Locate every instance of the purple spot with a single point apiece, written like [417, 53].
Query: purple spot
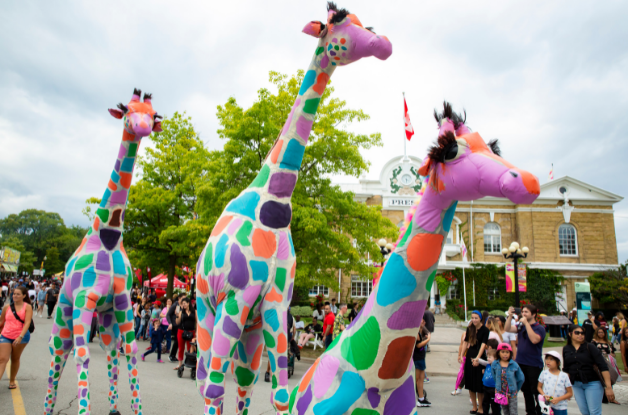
[355, 320]
[408, 316]
[304, 126]
[231, 328]
[282, 184]
[117, 166]
[67, 344]
[57, 367]
[290, 293]
[107, 319]
[240, 405]
[286, 126]
[344, 54]
[84, 392]
[122, 301]
[102, 262]
[373, 396]
[80, 341]
[118, 198]
[123, 212]
[335, 40]
[324, 63]
[239, 274]
[214, 391]
[332, 53]
[49, 381]
[134, 360]
[109, 238]
[282, 362]
[201, 373]
[275, 215]
[67, 311]
[304, 401]
[76, 281]
[401, 401]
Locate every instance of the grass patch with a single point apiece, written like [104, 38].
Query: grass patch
[548, 343]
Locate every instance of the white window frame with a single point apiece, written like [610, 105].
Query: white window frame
[361, 287]
[575, 239]
[492, 236]
[493, 294]
[452, 291]
[319, 290]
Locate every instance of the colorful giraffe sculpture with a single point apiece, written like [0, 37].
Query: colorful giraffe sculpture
[367, 370]
[99, 277]
[246, 270]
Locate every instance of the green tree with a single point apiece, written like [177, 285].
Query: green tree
[325, 220]
[160, 230]
[611, 286]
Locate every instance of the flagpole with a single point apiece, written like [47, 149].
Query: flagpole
[405, 144]
[464, 287]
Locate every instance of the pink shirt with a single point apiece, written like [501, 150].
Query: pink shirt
[12, 327]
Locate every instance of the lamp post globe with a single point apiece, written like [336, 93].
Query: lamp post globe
[515, 253]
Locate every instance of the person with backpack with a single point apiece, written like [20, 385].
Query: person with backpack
[15, 323]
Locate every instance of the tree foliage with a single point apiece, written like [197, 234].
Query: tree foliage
[325, 219]
[611, 287]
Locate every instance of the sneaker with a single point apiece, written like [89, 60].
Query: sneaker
[456, 392]
[423, 402]
[267, 377]
[143, 358]
[426, 380]
[159, 361]
[172, 359]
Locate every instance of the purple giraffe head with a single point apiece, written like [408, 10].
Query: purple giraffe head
[140, 119]
[345, 40]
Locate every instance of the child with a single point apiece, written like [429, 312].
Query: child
[156, 338]
[489, 384]
[508, 379]
[145, 320]
[554, 385]
[418, 356]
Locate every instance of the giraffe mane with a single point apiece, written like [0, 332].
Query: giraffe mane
[448, 112]
[137, 92]
[340, 14]
[494, 146]
[147, 95]
[439, 149]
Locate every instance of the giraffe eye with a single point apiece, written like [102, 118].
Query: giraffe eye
[451, 152]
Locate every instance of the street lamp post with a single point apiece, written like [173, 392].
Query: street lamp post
[385, 248]
[515, 253]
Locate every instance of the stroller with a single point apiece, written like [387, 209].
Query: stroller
[189, 362]
[293, 351]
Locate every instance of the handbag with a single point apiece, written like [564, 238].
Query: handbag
[187, 335]
[611, 370]
[501, 398]
[31, 328]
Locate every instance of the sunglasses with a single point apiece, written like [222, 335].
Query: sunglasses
[578, 333]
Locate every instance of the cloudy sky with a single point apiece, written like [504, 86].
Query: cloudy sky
[550, 79]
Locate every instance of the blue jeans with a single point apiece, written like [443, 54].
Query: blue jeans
[138, 321]
[559, 411]
[563, 332]
[589, 397]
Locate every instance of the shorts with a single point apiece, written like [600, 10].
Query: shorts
[419, 364]
[25, 339]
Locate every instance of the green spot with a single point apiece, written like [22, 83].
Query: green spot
[207, 260]
[120, 316]
[243, 233]
[246, 412]
[89, 231]
[57, 359]
[269, 339]
[232, 305]
[311, 105]
[130, 336]
[103, 214]
[406, 235]
[274, 382]
[362, 411]
[129, 280]
[101, 329]
[83, 376]
[59, 318]
[360, 350]
[293, 397]
[336, 340]
[262, 177]
[114, 353]
[79, 301]
[280, 278]
[101, 301]
[233, 349]
[57, 342]
[245, 376]
[319, 50]
[84, 262]
[252, 310]
[336, 47]
[132, 150]
[216, 377]
[57, 374]
[430, 280]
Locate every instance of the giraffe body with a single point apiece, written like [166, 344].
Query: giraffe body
[246, 271]
[99, 278]
[368, 369]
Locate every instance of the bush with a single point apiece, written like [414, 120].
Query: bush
[496, 313]
[304, 311]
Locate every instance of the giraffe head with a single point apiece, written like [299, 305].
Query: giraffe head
[344, 40]
[463, 167]
[140, 119]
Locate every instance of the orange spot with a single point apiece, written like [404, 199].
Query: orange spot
[208, 401]
[215, 363]
[96, 223]
[281, 407]
[82, 383]
[59, 352]
[78, 329]
[264, 243]
[126, 327]
[135, 393]
[122, 249]
[337, 58]
[81, 351]
[354, 19]
[202, 285]
[529, 181]
[276, 150]
[134, 372]
[343, 40]
[221, 297]
[127, 349]
[111, 185]
[244, 315]
[64, 333]
[126, 136]
[118, 285]
[321, 83]
[308, 376]
[83, 242]
[255, 326]
[222, 224]
[241, 392]
[257, 357]
[281, 343]
[204, 339]
[273, 296]
[93, 296]
[293, 270]
[423, 250]
[126, 179]
[106, 339]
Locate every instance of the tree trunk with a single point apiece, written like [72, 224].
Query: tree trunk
[171, 268]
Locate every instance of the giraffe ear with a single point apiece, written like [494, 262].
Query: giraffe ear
[157, 127]
[424, 170]
[315, 28]
[116, 113]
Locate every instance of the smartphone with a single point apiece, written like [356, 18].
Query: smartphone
[178, 309]
[517, 310]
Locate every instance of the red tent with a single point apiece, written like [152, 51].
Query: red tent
[161, 281]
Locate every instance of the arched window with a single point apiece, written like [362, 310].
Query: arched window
[492, 238]
[567, 241]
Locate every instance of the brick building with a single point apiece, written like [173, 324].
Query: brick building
[570, 228]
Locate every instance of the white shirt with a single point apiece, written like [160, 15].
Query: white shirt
[509, 337]
[334, 309]
[552, 389]
[318, 316]
[299, 324]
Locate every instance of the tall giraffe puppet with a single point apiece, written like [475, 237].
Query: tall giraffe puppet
[99, 277]
[368, 370]
[245, 273]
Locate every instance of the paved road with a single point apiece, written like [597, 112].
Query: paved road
[163, 392]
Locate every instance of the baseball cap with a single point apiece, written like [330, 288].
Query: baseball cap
[554, 354]
[504, 346]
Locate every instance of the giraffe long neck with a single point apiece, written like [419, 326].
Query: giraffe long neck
[284, 162]
[110, 213]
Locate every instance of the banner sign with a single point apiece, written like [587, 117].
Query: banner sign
[9, 256]
[522, 274]
[583, 300]
[510, 278]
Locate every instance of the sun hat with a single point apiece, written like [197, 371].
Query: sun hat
[554, 354]
[504, 346]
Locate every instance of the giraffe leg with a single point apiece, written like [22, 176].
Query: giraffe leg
[248, 356]
[109, 333]
[84, 306]
[274, 318]
[124, 319]
[205, 317]
[60, 346]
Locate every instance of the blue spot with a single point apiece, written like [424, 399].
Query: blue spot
[201, 309]
[105, 198]
[270, 317]
[63, 299]
[245, 204]
[116, 331]
[395, 283]
[291, 244]
[241, 352]
[218, 313]
[449, 216]
[127, 164]
[118, 263]
[109, 299]
[70, 266]
[221, 250]
[76, 313]
[308, 80]
[350, 389]
[212, 411]
[260, 270]
[83, 402]
[329, 47]
[115, 177]
[271, 359]
[281, 395]
[129, 314]
[225, 367]
[293, 156]
[89, 277]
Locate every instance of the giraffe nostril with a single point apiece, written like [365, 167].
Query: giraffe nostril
[513, 174]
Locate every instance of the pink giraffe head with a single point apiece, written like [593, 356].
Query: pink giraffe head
[140, 119]
[345, 40]
[462, 166]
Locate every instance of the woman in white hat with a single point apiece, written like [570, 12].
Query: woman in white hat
[555, 385]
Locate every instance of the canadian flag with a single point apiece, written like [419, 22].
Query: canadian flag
[406, 120]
